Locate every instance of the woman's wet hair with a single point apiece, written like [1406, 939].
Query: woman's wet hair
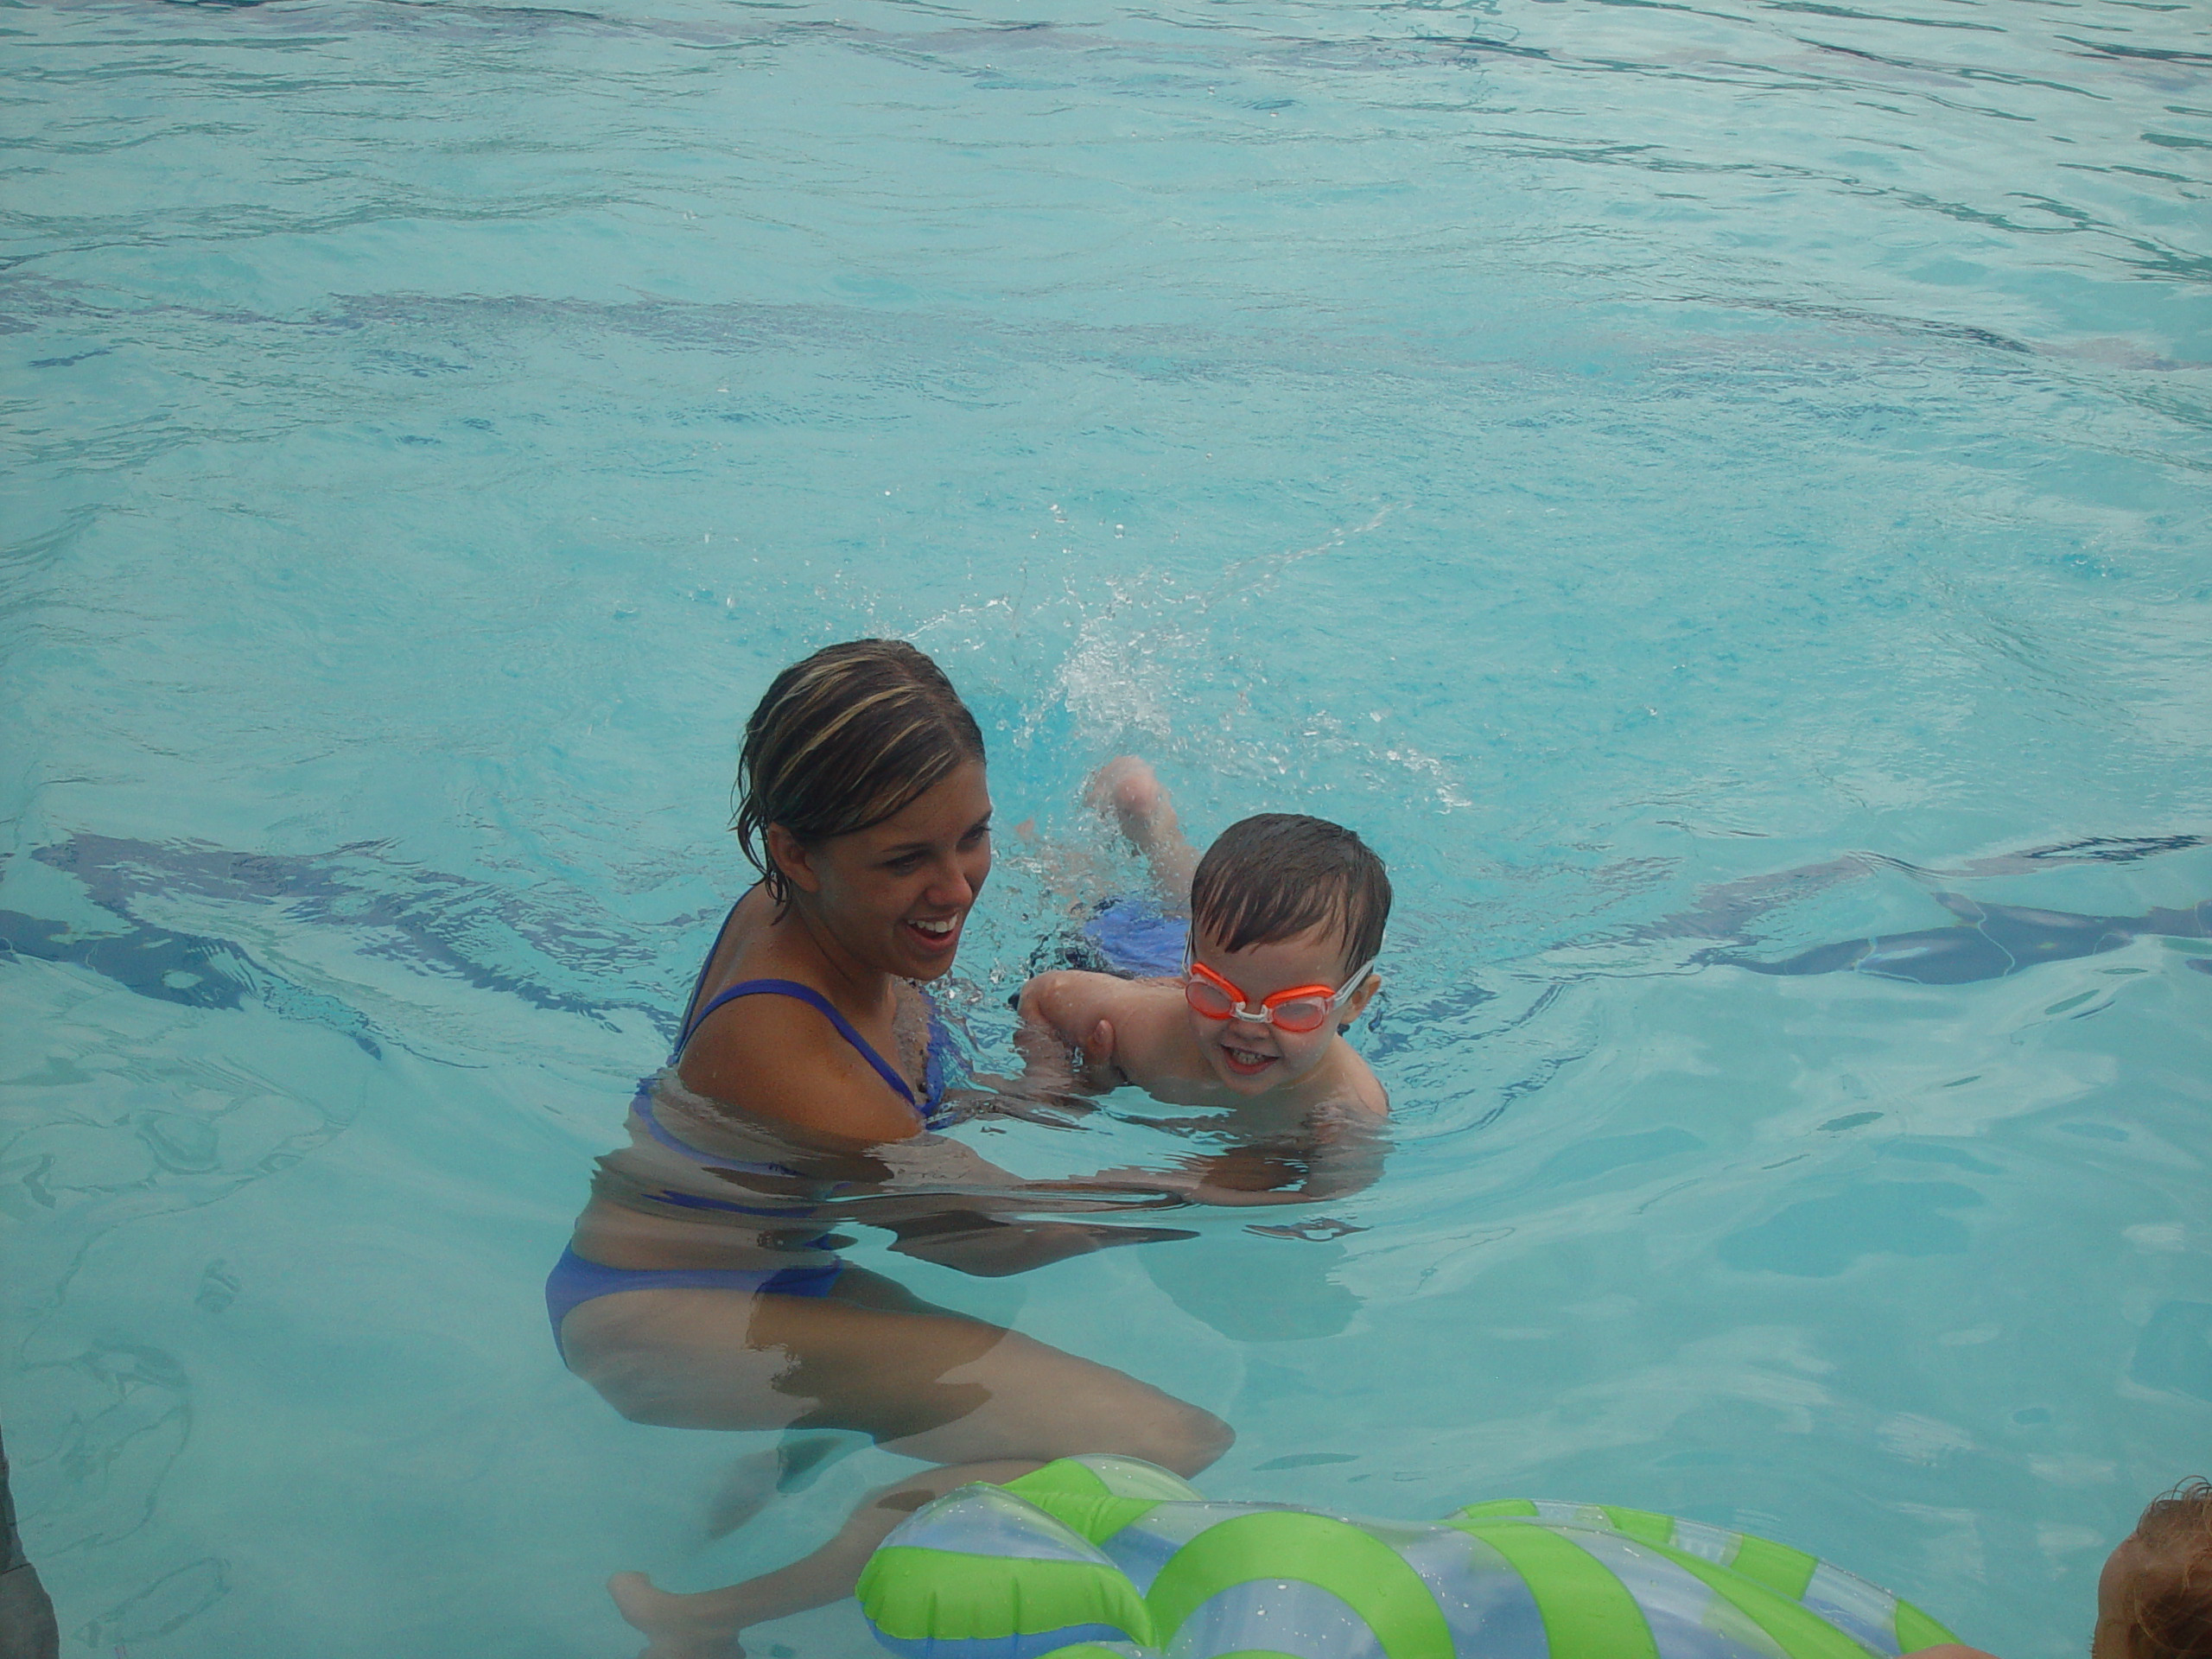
[841, 741]
[1275, 876]
[2165, 1606]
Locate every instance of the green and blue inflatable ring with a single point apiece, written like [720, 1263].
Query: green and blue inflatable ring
[1111, 1558]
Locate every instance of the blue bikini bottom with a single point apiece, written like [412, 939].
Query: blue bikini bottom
[575, 1281]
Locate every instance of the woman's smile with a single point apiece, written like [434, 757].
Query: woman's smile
[935, 935]
[916, 875]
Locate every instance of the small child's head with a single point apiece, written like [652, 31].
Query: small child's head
[2154, 1600]
[1282, 902]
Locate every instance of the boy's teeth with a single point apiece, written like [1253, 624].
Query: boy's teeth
[938, 928]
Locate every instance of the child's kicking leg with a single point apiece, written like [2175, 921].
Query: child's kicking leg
[1127, 787]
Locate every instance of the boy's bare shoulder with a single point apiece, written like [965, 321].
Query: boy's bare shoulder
[1355, 1088]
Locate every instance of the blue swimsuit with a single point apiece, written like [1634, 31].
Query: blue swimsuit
[1137, 939]
[575, 1280]
[1128, 935]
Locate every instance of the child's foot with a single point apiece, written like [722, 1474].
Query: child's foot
[1129, 789]
[681, 1627]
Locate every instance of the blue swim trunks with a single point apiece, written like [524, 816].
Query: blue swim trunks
[1133, 938]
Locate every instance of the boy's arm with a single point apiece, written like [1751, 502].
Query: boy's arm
[1335, 1167]
[1348, 1145]
[1064, 1014]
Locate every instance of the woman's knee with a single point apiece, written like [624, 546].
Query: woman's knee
[1186, 1438]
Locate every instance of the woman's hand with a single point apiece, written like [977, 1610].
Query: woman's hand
[1232, 1180]
[1099, 1070]
[984, 1246]
[1066, 1038]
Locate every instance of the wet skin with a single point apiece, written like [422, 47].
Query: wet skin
[869, 914]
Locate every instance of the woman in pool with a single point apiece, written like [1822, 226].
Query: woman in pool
[700, 1290]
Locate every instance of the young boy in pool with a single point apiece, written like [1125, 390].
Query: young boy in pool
[1285, 917]
[2154, 1598]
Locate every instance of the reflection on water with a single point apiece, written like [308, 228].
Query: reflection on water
[937, 1198]
[558, 955]
[699, 1185]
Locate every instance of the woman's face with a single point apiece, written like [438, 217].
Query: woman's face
[896, 894]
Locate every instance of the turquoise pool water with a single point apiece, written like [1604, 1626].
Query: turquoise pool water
[1616, 455]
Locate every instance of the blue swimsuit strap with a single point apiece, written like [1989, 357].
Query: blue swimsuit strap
[814, 999]
[700, 983]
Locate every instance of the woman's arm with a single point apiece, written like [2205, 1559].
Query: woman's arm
[960, 1210]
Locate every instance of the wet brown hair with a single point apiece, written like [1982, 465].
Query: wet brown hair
[1274, 876]
[841, 741]
[2165, 1605]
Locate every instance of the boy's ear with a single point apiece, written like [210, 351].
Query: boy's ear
[1355, 1004]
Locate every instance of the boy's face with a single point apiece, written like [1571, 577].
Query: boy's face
[1251, 1057]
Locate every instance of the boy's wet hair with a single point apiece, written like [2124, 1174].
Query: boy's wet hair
[841, 741]
[1274, 876]
[2165, 1606]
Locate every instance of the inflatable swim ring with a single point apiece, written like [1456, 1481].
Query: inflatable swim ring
[1110, 1558]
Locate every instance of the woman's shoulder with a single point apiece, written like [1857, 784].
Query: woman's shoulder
[760, 1023]
[772, 1053]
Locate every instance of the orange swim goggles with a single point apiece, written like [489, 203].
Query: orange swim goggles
[1300, 1008]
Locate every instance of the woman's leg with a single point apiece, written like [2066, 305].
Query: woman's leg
[985, 1403]
[705, 1626]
